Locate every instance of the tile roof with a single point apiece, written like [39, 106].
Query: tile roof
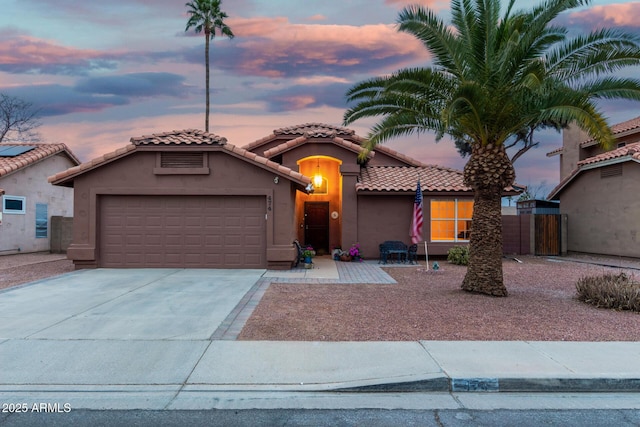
[314, 130]
[292, 143]
[625, 153]
[620, 128]
[180, 137]
[40, 152]
[405, 178]
[183, 138]
[631, 150]
[337, 133]
[556, 151]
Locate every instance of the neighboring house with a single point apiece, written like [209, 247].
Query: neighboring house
[598, 191]
[29, 201]
[190, 199]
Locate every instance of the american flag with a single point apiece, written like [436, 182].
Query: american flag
[417, 219]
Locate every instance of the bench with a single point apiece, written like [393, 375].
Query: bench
[392, 248]
[402, 252]
[300, 256]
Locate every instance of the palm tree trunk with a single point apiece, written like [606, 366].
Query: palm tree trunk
[487, 172]
[206, 61]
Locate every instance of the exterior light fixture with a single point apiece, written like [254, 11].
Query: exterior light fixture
[275, 180]
[317, 179]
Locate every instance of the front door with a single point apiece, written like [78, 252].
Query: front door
[316, 226]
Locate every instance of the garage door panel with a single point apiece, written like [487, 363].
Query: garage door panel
[182, 231]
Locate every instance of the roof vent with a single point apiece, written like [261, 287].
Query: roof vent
[182, 160]
[611, 170]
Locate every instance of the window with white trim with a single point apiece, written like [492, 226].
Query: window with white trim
[451, 220]
[14, 205]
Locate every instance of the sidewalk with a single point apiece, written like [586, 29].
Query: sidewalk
[142, 344]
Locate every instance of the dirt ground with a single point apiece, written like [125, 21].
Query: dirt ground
[429, 305]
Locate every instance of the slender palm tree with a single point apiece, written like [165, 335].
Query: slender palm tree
[495, 78]
[206, 16]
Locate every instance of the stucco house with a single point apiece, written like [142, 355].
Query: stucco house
[598, 191]
[29, 201]
[191, 199]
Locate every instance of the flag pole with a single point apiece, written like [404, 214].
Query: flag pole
[426, 255]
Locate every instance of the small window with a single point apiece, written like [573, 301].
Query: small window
[14, 205]
[42, 221]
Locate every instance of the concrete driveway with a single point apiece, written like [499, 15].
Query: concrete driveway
[104, 304]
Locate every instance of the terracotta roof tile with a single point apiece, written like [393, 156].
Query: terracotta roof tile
[314, 130]
[625, 126]
[628, 152]
[629, 125]
[405, 178]
[40, 152]
[259, 142]
[180, 137]
[285, 146]
[555, 152]
[632, 150]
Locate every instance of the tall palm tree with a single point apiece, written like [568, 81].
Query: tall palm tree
[494, 79]
[206, 16]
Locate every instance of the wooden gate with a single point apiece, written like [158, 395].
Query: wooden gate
[547, 234]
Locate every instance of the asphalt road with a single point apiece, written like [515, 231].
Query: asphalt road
[333, 418]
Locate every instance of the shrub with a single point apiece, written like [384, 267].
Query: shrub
[615, 291]
[458, 255]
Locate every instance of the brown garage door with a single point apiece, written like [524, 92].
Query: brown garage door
[182, 231]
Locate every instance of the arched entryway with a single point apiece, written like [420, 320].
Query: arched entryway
[319, 214]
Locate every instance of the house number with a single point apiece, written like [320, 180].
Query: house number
[269, 203]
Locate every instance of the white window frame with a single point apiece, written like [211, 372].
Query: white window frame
[22, 199]
[455, 220]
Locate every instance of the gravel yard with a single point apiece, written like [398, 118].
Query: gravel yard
[430, 306]
[24, 268]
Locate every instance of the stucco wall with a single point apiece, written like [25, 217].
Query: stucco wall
[388, 217]
[17, 231]
[134, 174]
[604, 213]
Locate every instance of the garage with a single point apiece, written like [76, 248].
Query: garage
[182, 231]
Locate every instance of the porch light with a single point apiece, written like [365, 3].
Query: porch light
[317, 179]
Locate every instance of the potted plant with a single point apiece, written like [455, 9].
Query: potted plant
[308, 253]
[354, 252]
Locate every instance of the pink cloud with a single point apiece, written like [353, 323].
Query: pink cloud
[317, 18]
[274, 47]
[621, 14]
[22, 53]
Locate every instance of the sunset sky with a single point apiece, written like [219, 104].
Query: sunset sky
[103, 72]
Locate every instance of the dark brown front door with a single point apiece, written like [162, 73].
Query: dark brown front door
[316, 225]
